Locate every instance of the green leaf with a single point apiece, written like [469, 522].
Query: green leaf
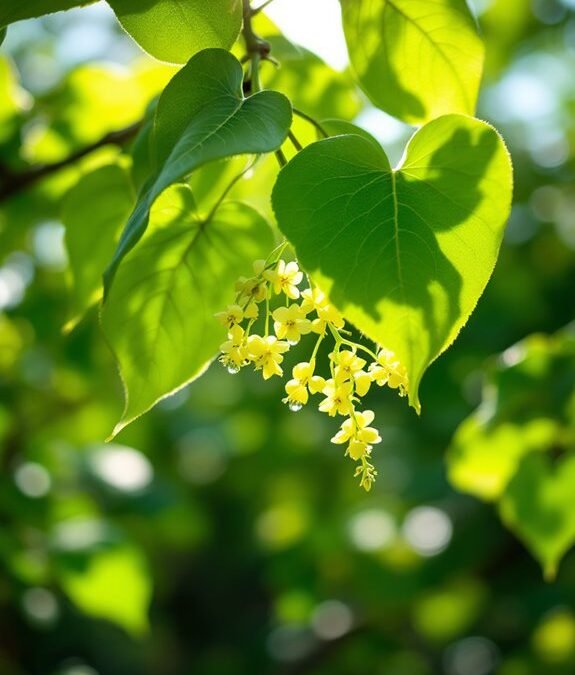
[175, 30]
[526, 407]
[92, 233]
[415, 59]
[114, 585]
[16, 10]
[405, 254]
[538, 507]
[483, 458]
[159, 315]
[202, 116]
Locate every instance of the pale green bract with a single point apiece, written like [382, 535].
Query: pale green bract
[202, 116]
[175, 30]
[159, 315]
[415, 59]
[404, 254]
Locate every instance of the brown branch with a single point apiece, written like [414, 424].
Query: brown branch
[13, 183]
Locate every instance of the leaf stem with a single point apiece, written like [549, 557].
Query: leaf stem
[293, 138]
[312, 121]
[257, 10]
[256, 47]
[281, 158]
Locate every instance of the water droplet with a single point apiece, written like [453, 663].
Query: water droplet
[294, 406]
[233, 369]
[292, 343]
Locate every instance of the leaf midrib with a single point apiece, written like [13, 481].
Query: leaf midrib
[411, 20]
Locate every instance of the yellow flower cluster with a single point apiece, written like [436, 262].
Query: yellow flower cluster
[309, 311]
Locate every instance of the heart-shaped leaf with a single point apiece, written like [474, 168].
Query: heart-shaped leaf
[92, 234]
[405, 254]
[539, 507]
[174, 30]
[415, 59]
[202, 116]
[159, 315]
[527, 406]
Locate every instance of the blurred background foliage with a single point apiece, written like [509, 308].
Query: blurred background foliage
[222, 534]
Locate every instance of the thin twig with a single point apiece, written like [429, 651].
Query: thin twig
[257, 10]
[14, 183]
[257, 49]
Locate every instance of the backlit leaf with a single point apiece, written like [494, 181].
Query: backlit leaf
[92, 233]
[159, 315]
[405, 254]
[174, 30]
[415, 59]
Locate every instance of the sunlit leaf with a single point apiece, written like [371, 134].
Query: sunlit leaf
[405, 254]
[92, 233]
[526, 407]
[114, 585]
[172, 30]
[202, 116]
[415, 59]
[159, 315]
[538, 507]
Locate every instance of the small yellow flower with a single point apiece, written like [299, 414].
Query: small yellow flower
[266, 354]
[297, 394]
[337, 398]
[232, 315]
[329, 313]
[314, 300]
[357, 428]
[304, 373]
[357, 449]
[347, 364]
[318, 326]
[234, 354]
[285, 278]
[303, 379]
[362, 381]
[290, 323]
[251, 311]
[388, 370]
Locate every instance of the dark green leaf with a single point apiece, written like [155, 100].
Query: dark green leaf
[202, 116]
